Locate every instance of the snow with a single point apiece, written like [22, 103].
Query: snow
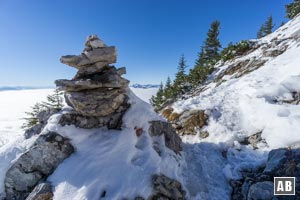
[145, 94]
[244, 106]
[117, 162]
[120, 153]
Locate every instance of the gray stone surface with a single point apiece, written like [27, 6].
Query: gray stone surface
[113, 121]
[97, 102]
[104, 55]
[36, 164]
[109, 79]
[261, 190]
[258, 183]
[172, 140]
[255, 140]
[43, 191]
[166, 188]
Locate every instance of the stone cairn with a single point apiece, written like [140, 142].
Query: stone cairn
[97, 93]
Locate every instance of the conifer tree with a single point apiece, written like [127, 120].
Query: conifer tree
[198, 74]
[157, 100]
[54, 100]
[32, 118]
[266, 28]
[212, 44]
[168, 91]
[269, 25]
[292, 9]
[180, 77]
[207, 57]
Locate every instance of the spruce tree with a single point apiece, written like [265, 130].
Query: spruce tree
[292, 9]
[269, 25]
[32, 116]
[157, 100]
[198, 74]
[168, 91]
[180, 77]
[207, 57]
[212, 44]
[260, 33]
[266, 28]
[54, 100]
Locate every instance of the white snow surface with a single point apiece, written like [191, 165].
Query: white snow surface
[241, 107]
[117, 162]
[244, 106]
[144, 94]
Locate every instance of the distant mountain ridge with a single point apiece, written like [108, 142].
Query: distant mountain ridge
[6, 88]
[144, 86]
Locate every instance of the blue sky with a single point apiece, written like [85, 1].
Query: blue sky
[150, 35]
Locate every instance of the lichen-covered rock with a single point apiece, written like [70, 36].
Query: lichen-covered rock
[36, 164]
[166, 188]
[43, 191]
[172, 140]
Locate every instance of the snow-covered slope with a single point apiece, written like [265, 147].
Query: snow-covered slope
[248, 99]
[246, 105]
[121, 154]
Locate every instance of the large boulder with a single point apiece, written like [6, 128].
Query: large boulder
[36, 164]
[165, 129]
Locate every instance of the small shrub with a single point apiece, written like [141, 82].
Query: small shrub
[233, 50]
[54, 100]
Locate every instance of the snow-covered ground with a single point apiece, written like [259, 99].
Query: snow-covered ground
[241, 107]
[118, 157]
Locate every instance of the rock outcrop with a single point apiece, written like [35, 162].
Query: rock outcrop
[97, 93]
[42, 191]
[36, 164]
[165, 129]
[258, 184]
[188, 122]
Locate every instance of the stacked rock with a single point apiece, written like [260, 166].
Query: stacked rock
[97, 93]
